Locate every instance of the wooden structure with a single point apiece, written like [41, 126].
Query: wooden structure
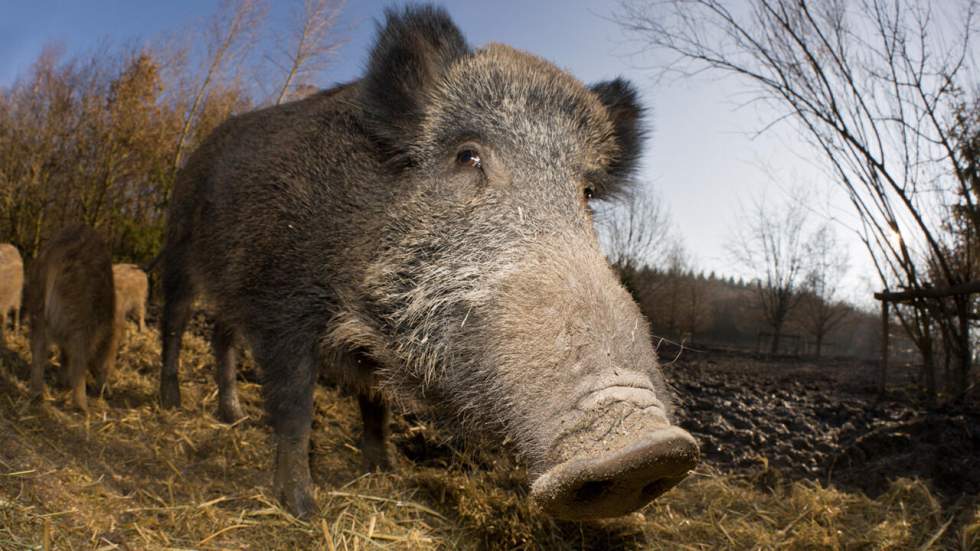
[887, 297]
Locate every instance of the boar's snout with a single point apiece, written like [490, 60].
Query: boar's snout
[579, 372]
[617, 483]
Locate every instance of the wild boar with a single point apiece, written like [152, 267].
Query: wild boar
[426, 232]
[71, 303]
[131, 291]
[11, 286]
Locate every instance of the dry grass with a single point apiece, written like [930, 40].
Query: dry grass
[130, 476]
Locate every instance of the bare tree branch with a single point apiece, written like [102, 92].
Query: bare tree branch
[821, 309]
[635, 230]
[771, 247]
[873, 86]
[309, 46]
[229, 34]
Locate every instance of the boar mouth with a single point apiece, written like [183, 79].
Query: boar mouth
[620, 482]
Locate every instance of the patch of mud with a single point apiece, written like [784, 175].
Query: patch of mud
[822, 422]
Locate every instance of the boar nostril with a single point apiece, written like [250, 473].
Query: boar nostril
[613, 483]
[592, 490]
[655, 488]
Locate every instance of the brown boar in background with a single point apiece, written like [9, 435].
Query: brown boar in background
[71, 303]
[131, 292]
[11, 284]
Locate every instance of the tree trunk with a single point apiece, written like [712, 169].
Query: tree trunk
[819, 344]
[776, 334]
[928, 367]
[948, 372]
[965, 353]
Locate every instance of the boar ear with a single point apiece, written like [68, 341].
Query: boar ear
[414, 48]
[623, 106]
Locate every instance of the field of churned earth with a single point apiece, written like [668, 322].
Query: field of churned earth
[797, 456]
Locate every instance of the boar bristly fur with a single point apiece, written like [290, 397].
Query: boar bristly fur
[422, 233]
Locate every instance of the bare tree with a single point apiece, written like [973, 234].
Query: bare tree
[307, 47]
[871, 86]
[635, 231]
[662, 295]
[821, 310]
[770, 246]
[229, 35]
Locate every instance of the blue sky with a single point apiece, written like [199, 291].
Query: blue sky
[700, 157]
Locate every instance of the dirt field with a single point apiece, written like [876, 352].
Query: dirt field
[824, 421]
[130, 476]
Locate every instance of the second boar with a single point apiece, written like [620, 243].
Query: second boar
[72, 304]
[131, 291]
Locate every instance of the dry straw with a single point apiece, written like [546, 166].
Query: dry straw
[130, 476]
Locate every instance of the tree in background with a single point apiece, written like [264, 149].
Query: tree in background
[821, 310]
[771, 247]
[635, 232]
[662, 292]
[695, 312]
[964, 227]
[873, 88]
[229, 35]
[308, 47]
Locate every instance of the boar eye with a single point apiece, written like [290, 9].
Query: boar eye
[469, 157]
[589, 193]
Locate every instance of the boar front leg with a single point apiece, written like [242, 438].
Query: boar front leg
[288, 392]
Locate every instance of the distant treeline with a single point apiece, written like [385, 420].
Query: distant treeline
[695, 308]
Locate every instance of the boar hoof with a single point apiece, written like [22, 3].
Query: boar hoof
[292, 482]
[169, 394]
[80, 405]
[230, 411]
[297, 499]
[375, 457]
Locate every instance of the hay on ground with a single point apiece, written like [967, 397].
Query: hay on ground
[133, 476]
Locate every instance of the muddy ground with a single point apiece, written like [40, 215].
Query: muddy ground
[824, 421]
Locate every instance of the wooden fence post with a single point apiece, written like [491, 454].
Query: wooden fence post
[883, 368]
